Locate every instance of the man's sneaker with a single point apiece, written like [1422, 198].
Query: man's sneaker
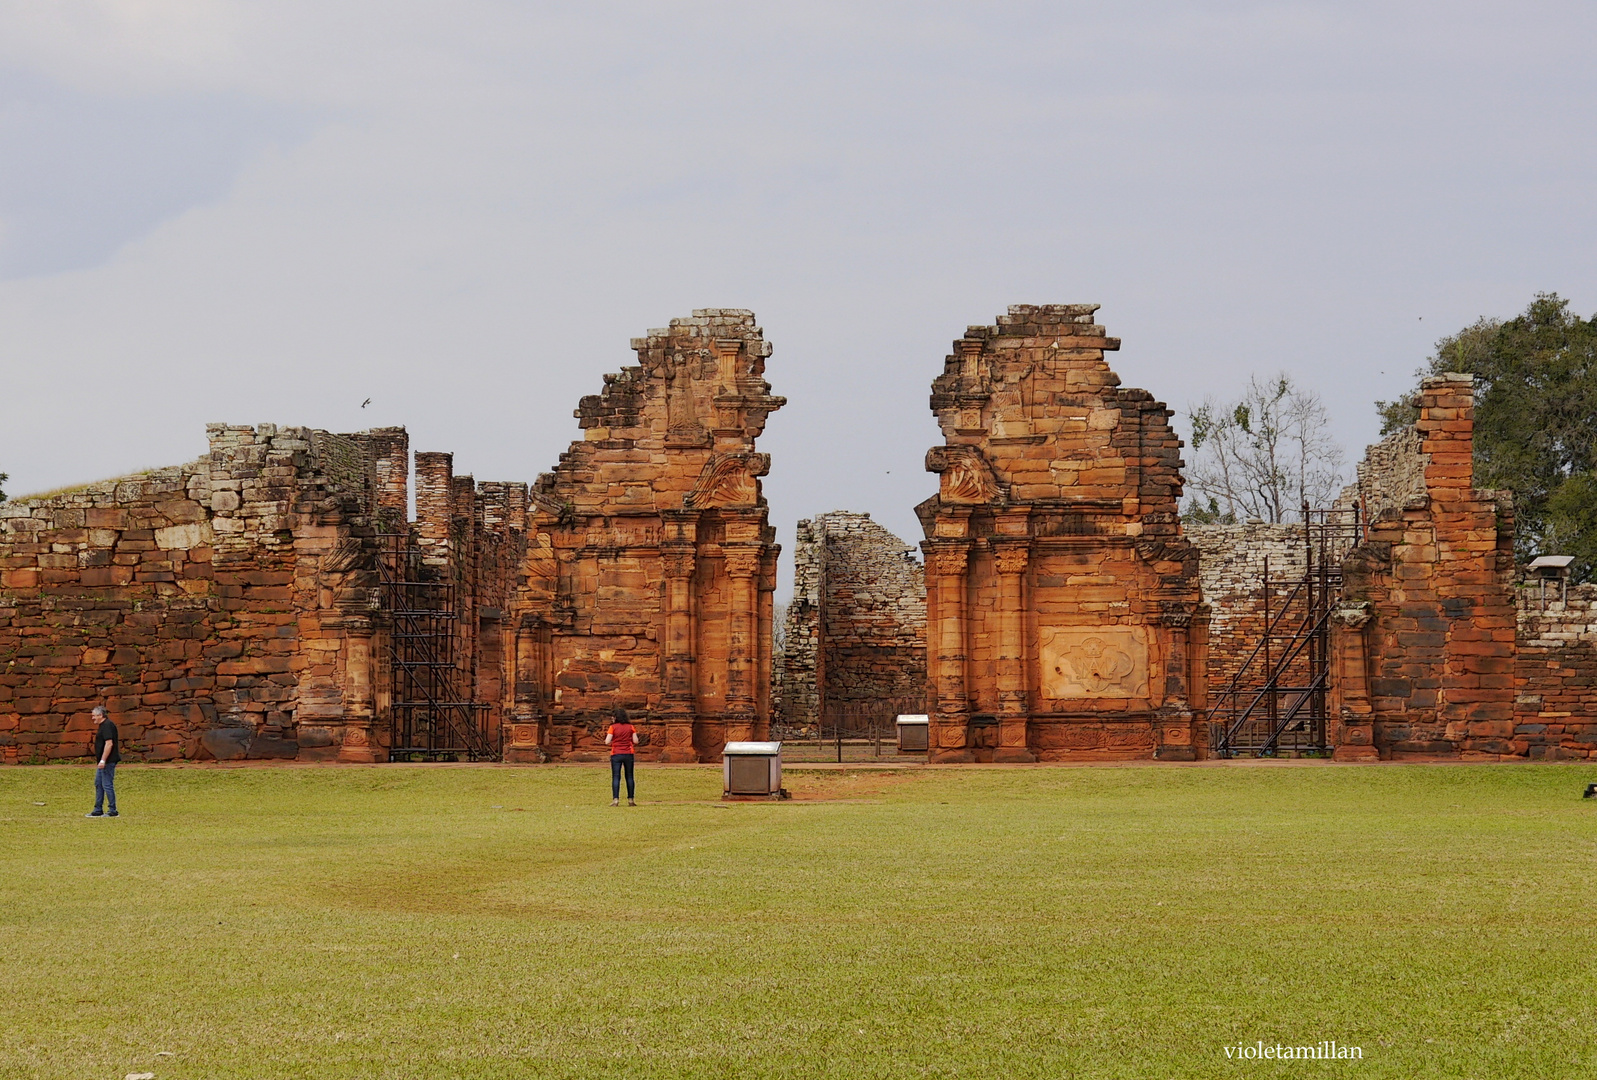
[615, 802]
[94, 813]
[112, 813]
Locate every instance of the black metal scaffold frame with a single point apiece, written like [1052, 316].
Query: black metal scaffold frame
[1277, 701]
[431, 714]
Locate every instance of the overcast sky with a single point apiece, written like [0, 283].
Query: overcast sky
[244, 212]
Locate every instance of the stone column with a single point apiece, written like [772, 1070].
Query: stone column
[435, 499]
[360, 741]
[1173, 727]
[947, 565]
[679, 705]
[391, 466]
[742, 645]
[1354, 735]
[1014, 702]
[526, 715]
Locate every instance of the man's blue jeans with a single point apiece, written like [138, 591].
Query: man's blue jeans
[104, 787]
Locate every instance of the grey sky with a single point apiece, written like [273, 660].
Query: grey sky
[248, 212]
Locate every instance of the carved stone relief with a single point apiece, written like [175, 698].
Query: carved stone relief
[1094, 662]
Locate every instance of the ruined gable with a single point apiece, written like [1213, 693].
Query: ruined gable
[1062, 598]
[651, 564]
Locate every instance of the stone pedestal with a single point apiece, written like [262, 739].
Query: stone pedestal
[522, 747]
[358, 748]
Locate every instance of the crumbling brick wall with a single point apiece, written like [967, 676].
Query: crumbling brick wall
[213, 607]
[856, 629]
[1435, 577]
[799, 665]
[1390, 476]
[1555, 676]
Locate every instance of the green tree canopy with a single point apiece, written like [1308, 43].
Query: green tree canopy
[1535, 421]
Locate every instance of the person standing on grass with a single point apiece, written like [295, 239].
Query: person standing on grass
[107, 752]
[621, 739]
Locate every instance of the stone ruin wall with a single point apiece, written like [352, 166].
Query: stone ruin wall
[799, 704]
[1426, 639]
[232, 607]
[1063, 602]
[1555, 675]
[856, 629]
[1231, 566]
[216, 608]
[1390, 476]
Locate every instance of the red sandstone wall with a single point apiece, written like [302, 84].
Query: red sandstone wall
[209, 606]
[1437, 575]
[1555, 676]
[1062, 600]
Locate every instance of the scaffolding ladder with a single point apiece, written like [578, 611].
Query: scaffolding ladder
[432, 716]
[1277, 702]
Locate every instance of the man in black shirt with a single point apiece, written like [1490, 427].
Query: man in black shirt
[107, 751]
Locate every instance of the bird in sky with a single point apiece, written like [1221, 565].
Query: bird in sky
[365, 403]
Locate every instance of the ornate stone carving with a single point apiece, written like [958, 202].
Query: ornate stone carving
[1086, 662]
[947, 562]
[729, 480]
[742, 564]
[677, 563]
[1177, 613]
[1353, 614]
[1011, 558]
[967, 478]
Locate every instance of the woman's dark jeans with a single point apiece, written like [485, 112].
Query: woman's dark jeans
[619, 762]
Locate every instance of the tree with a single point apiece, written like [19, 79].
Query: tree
[3, 478]
[1535, 422]
[1262, 455]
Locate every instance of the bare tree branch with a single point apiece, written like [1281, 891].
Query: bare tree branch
[1262, 455]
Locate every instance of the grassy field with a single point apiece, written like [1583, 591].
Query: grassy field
[1067, 922]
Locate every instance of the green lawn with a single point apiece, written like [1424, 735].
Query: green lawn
[414, 921]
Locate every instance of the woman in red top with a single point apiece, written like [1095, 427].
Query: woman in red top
[620, 739]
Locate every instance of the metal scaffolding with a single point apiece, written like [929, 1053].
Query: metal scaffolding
[1277, 700]
[431, 714]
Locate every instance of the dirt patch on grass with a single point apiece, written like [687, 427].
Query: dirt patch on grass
[832, 786]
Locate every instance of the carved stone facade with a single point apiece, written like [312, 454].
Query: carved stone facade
[651, 566]
[1063, 606]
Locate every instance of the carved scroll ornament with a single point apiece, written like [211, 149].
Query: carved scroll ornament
[729, 480]
[966, 476]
